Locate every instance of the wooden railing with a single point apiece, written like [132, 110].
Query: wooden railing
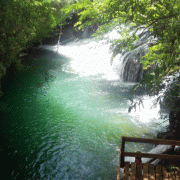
[173, 143]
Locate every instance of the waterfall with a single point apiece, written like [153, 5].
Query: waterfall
[130, 68]
[127, 65]
[93, 58]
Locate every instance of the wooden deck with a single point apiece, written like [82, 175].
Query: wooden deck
[146, 171]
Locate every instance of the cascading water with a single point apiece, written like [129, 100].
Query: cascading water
[64, 120]
[129, 62]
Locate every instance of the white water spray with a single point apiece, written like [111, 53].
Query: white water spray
[92, 58]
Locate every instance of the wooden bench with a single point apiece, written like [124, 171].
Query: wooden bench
[147, 171]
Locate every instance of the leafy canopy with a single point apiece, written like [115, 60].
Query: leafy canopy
[160, 17]
[24, 22]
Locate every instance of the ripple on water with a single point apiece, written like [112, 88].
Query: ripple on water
[70, 126]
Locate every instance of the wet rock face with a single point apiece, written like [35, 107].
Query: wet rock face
[174, 123]
[69, 33]
[173, 130]
[132, 69]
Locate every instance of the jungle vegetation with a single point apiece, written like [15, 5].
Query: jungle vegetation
[26, 21]
[160, 17]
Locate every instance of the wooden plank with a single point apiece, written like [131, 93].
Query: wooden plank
[151, 172]
[145, 171]
[133, 171]
[155, 156]
[165, 173]
[153, 141]
[126, 172]
[159, 175]
[139, 172]
[172, 175]
[177, 174]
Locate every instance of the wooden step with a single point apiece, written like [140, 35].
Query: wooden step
[146, 171]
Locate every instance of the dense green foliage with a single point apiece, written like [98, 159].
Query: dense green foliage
[161, 17]
[24, 22]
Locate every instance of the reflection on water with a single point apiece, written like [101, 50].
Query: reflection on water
[66, 116]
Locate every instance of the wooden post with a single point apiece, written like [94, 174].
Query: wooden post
[145, 171]
[126, 171]
[159, 175]
[151, 172]
[133, 171]
[121, 157]
[165, 173]
[122, 152]
[139, 172]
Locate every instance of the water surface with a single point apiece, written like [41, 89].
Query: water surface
[64, 119]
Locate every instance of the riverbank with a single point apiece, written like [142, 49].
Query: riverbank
[171, 133]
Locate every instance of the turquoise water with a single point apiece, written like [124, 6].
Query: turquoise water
[64, 119]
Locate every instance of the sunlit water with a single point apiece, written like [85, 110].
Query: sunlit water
[64, 120]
